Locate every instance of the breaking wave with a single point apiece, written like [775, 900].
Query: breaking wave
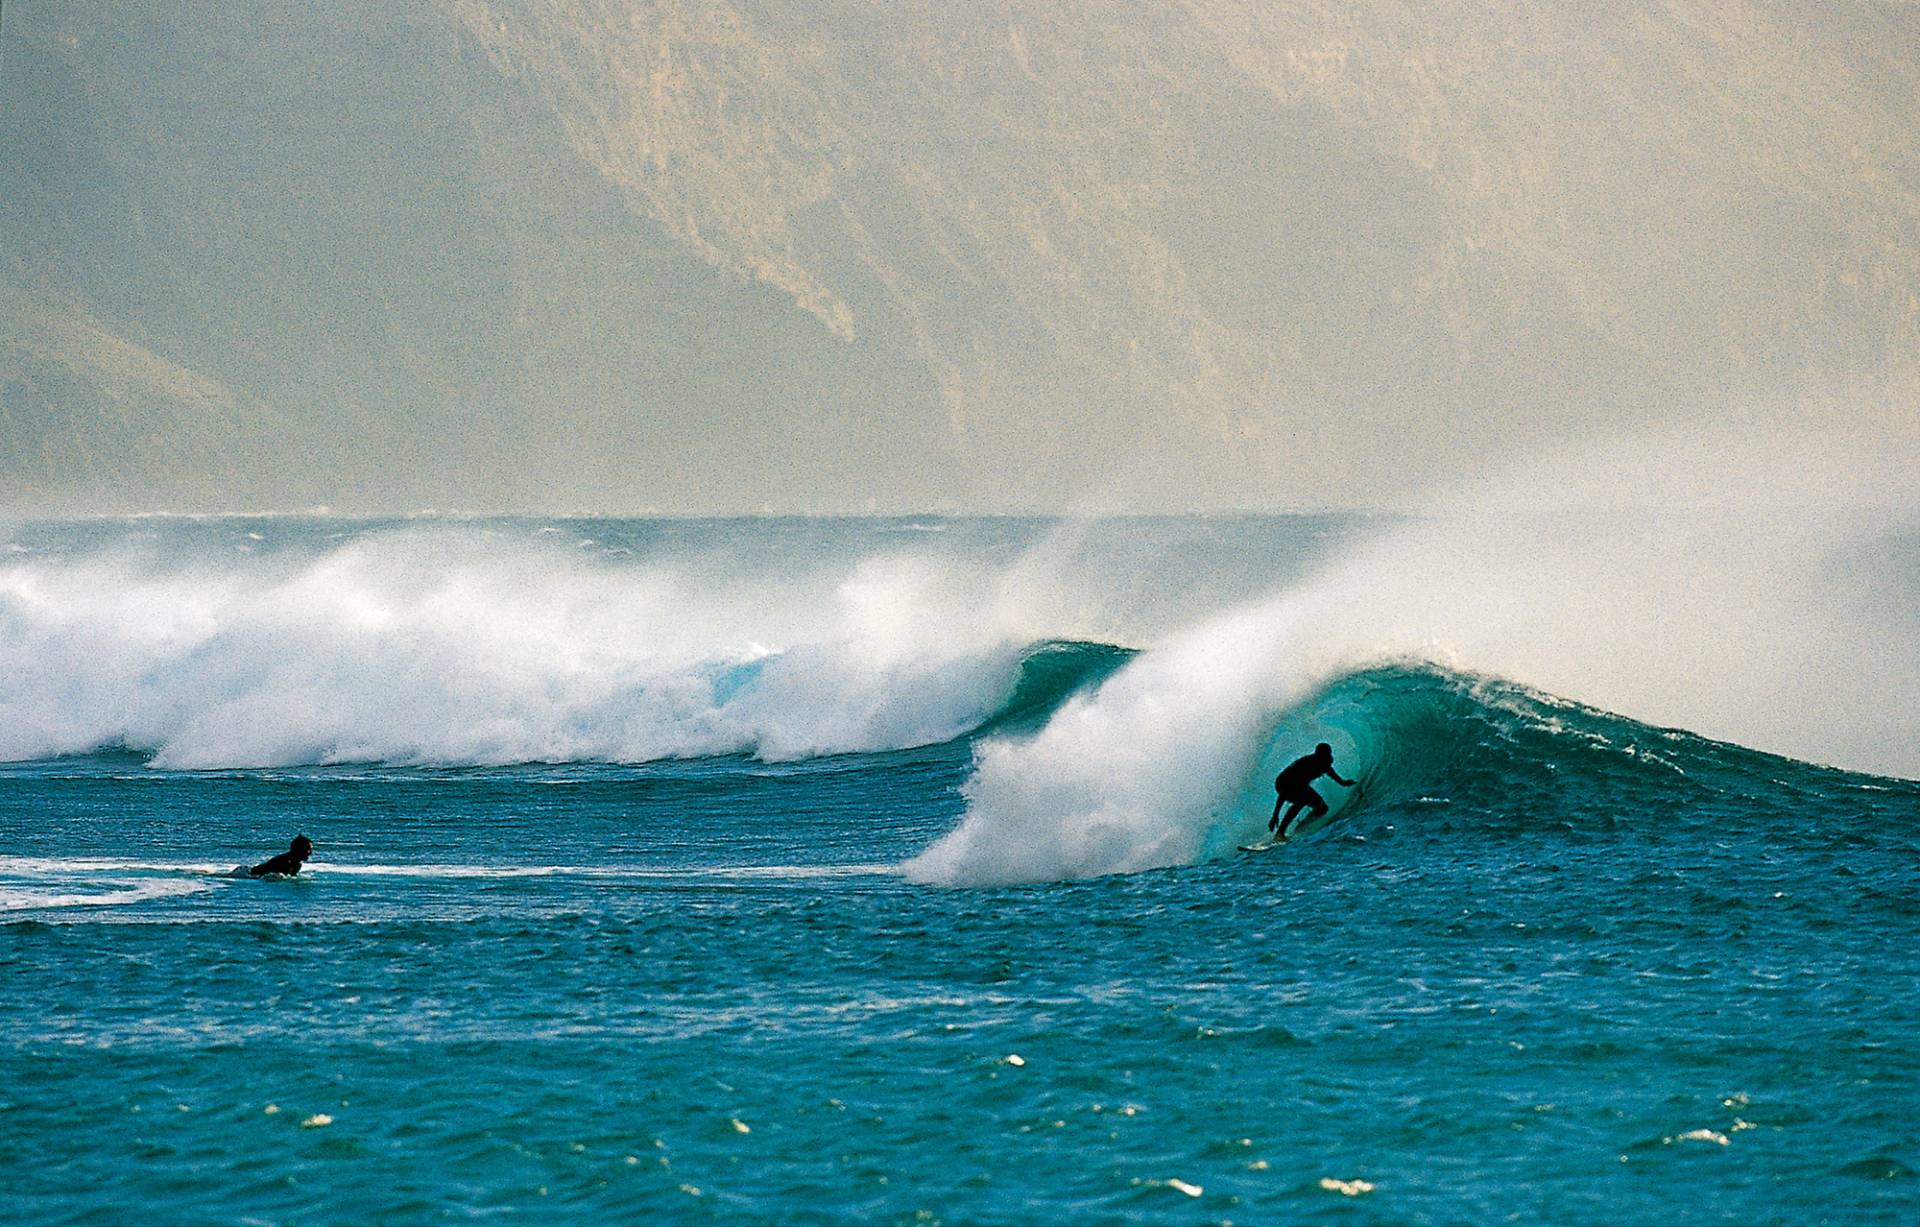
[1413, 735]
[1787, 629]
[446, 648]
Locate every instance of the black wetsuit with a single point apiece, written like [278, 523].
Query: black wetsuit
[286, 862]
[1295, 794]
[1292, 782]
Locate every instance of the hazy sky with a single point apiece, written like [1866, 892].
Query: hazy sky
[798, 255]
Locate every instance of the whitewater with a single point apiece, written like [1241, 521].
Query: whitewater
[804, 869]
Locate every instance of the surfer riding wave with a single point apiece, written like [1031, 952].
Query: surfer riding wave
[1293, 786]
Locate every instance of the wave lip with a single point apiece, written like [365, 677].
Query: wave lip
[1121, 777]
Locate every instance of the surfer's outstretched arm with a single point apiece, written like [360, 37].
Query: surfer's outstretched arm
[1335, 776]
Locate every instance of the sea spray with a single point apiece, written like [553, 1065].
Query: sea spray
[1761, 621]
[451, 645]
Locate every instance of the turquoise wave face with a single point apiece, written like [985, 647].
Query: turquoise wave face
[1418, 737]
[1051, 672]
[1415, 738]
[1033, 682]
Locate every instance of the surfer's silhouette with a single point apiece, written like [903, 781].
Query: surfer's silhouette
[287, 862]
[1292, 785]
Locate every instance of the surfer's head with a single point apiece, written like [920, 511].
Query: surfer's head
[302, 847]
[1323, 750]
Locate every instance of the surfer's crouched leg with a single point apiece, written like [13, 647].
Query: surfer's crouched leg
[1309, 801]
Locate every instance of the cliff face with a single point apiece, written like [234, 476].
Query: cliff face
[696, 255]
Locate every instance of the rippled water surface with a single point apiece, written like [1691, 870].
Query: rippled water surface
[1544, 965]
[701, 991]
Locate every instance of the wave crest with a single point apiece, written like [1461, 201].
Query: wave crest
[447, 648]
[1134, 778]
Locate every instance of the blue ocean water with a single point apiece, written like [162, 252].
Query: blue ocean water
[882, 870]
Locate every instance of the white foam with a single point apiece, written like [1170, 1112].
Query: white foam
[65, 867]
[1766, 624]
[62, 868]
[449, 644]
[36, 898]
[29, 866]
[612, 872]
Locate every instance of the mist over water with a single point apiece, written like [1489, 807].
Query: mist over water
[238, 643]
[708, 256]
[453, 644]
[1741, 589]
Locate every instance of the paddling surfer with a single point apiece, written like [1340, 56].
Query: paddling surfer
[287, 862]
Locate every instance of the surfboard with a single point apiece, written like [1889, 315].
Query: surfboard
[1265, 846]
